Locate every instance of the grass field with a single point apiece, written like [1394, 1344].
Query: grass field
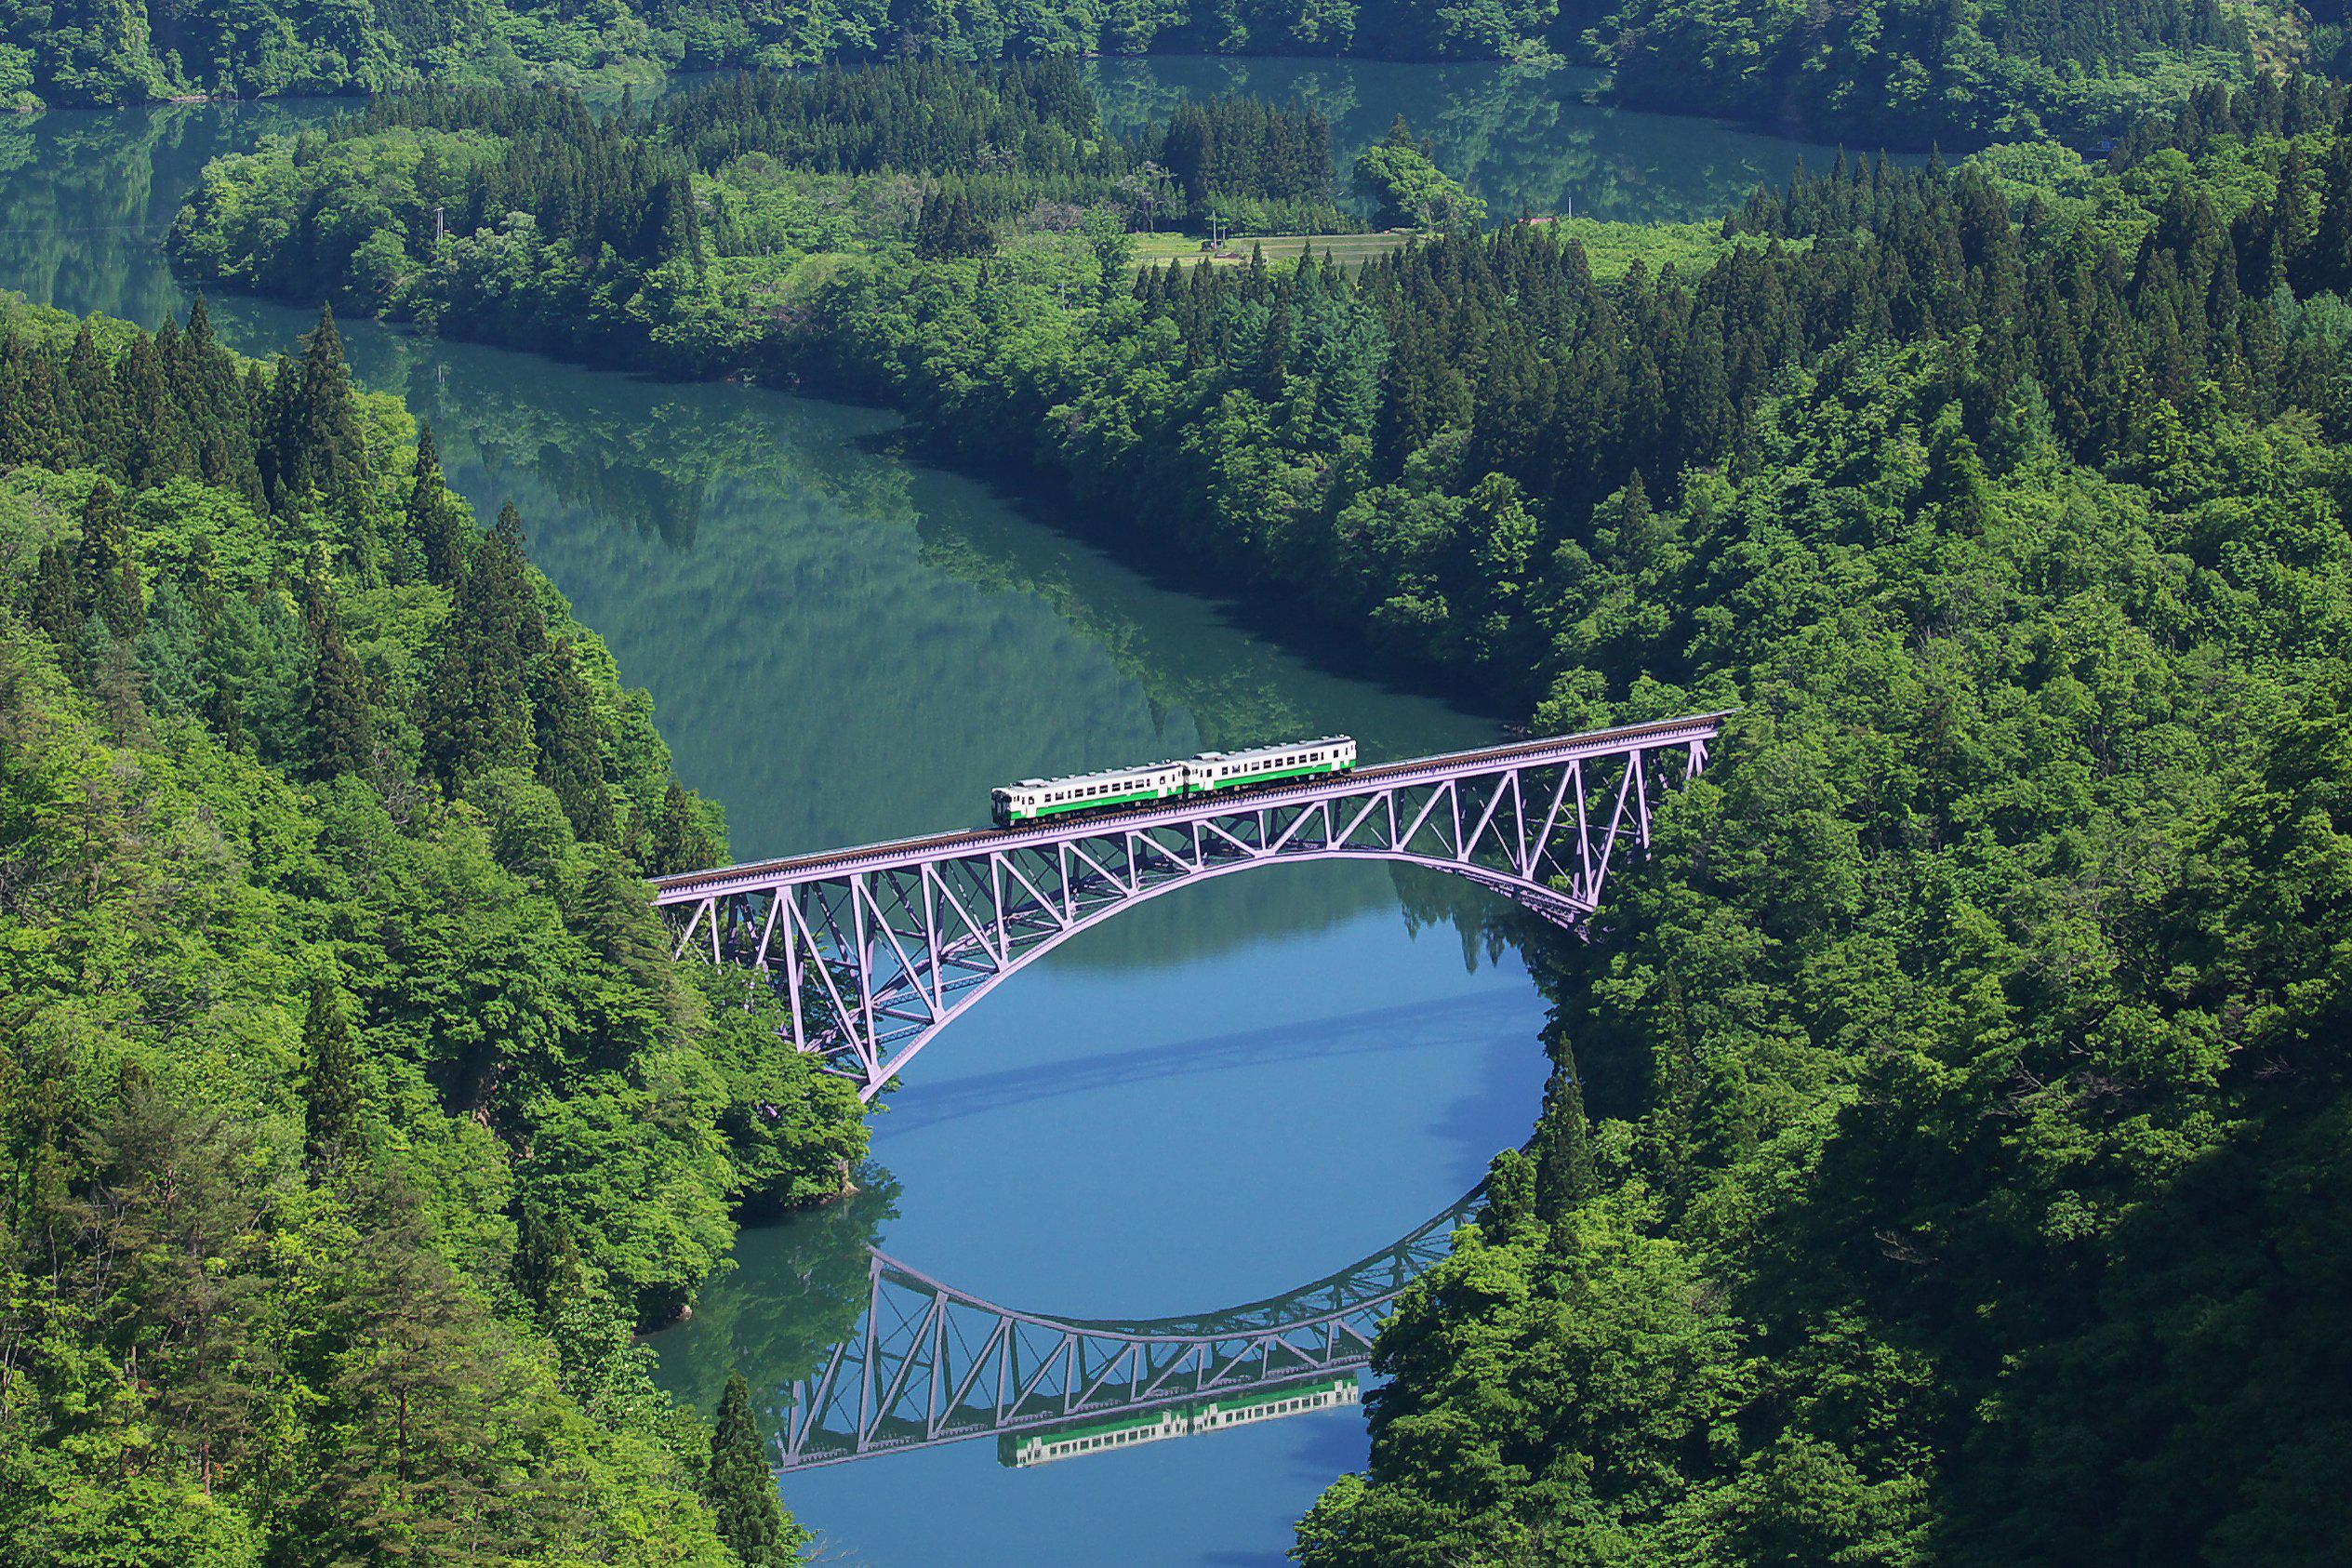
[1352, 251]
[1610, 249]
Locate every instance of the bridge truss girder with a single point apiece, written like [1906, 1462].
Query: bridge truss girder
[874, 952]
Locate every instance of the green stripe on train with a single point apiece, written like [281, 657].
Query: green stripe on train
[1262, 777]
[1062, 807]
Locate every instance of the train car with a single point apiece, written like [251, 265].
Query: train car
[1266, 764]
[1033, 800]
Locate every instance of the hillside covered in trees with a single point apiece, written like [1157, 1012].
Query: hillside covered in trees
[353, 1116]
[1894, 72]
[1891, 72]
[690, 236]
[139, 50]
[1946, 1158]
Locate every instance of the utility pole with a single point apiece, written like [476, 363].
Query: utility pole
[439, 228]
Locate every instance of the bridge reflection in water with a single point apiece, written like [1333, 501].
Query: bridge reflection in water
[929, 1364]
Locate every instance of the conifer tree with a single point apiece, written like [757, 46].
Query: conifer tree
[478, 709]
[1509, 1210]
[680, 844]
[330, 1085]
[338, 726]
[431, 545]
[54, 609]
[316, 447]
[1561, 1148]
[570, 744]
[107, 575]
[740, 1489]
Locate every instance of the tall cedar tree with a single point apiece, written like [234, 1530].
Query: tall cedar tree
[570, 744]
[338, 731]
[108, 583]
[330, 1084]
[680, 844]
[431, 545]
[317, 449]
[740, 1489]
[54, 609]
[478, 711]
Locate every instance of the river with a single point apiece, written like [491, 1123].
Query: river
[1209, 1101]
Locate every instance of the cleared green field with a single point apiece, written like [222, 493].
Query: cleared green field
[1611, 248]
[1351, 250]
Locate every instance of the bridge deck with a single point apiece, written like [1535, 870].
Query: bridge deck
[693, 886]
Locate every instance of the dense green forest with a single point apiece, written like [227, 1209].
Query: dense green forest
[1886, 72]
[1945, 1155]
[1901, 73]
[131, 50]
[353, 1113]
[691, 236]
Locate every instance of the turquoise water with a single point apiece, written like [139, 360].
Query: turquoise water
[1213, 1099]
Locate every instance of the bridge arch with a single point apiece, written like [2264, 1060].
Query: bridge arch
[875, 950]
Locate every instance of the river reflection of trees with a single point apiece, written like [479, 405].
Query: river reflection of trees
[797, 1289]
[85, 197]
[1521, 136]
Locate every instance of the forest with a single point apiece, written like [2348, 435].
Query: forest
[353, 1116]
[688, 236]
[133, 51]
[1884, 72]
[1945, 1156]
[1899, 73]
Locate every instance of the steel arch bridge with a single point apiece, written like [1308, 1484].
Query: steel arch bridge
[875, 949]
[929, 1364]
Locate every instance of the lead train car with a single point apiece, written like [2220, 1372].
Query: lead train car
[1034, 799]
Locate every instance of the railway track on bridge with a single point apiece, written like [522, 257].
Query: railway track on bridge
[877, 948]
[1406, 771]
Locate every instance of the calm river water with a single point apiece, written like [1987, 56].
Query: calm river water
[1215, 1098]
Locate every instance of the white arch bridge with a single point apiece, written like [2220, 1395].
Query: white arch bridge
[874, 950]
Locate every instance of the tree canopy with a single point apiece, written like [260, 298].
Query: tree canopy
[352, 1114]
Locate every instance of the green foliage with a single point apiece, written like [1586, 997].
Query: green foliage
[1908, 74]
[740, 1489]
[129, 51]
[1959, 1050]
[330, 1079]
[527, 218]
[1407, 189]
[1967, 1064]
[310, 1013]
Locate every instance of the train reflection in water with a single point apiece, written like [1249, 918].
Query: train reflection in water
[1021, 1450]
[928, 1364]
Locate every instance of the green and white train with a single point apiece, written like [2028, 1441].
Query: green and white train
[1033, 800]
